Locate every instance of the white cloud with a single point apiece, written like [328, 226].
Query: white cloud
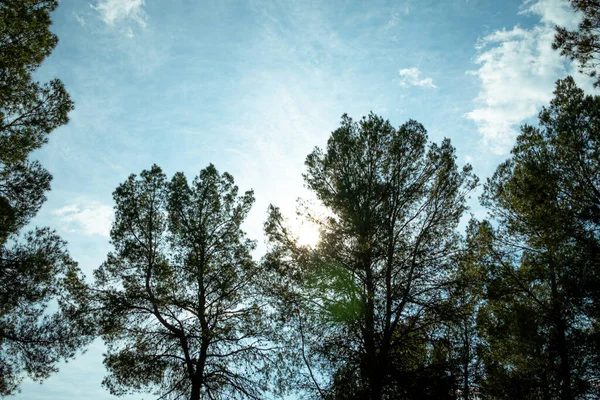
[518, 70]
[90, 219]
[112, 11]
[410, 77]
[552, 12]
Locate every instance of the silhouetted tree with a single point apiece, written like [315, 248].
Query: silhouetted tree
[369, 299]
[542, 256]
[42, 294]
[466, 298]
[582, 45]
[180, 311]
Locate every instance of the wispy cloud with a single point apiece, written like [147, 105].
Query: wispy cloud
[294, 95]
[113, 11]
[517, 71]
[411, 77]
[79, 19]
[552, 12]
[89, 219]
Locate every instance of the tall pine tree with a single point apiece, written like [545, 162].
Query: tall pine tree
[542, 255]
[367, 301]
[181, 311]
[35, 268]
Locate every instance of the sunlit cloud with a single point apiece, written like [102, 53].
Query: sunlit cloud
[113, 11]
[88, 219]
[517, 71]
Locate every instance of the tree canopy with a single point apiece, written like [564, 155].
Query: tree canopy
[582, 45]
[42, 292]
[542, 255]
[181, 313]
[372, 291]
[393, 302]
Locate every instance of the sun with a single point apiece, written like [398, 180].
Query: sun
[307, 233]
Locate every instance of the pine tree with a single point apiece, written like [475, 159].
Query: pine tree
[43, 317]
[368, 300]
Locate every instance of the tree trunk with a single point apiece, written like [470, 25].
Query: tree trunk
[466, 359]
[561, 341]
[371, 365]
[375, 378]
[373, 370]
[195, 391]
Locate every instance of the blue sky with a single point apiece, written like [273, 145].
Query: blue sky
[252, 86]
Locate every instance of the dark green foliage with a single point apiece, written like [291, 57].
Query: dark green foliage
[181, 313]
[541, 262]
[461, 334]
[29, 111]
[366, 303]
[42, 295]
[36, 277]
[582, 45]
